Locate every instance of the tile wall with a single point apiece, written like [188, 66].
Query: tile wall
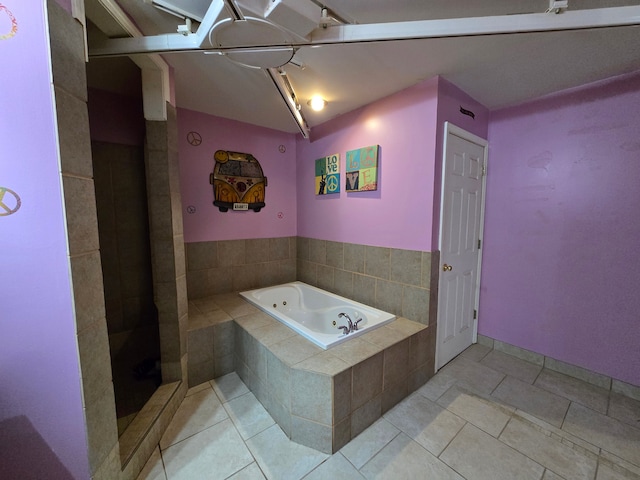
[210, 339]
[70, 90]
[167, 243]
[108, 459]
[398, 281]
[236, 265]
[123, 220]
[123, 223]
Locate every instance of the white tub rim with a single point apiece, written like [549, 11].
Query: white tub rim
[324, 341]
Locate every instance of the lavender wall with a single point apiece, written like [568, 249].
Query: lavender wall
[398, 214]
[39, 372]
[451, 102]
[276, 219]
[560, 270]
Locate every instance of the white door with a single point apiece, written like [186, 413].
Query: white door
[461, 221]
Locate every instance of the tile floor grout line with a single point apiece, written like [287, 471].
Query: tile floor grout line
[196, 433]
[451, 441]
[511, 415]
[255, 460]
[538, 375]
[564, 417]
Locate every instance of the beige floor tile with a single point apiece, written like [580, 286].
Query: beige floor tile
[229, 387]
[606, 432]
[251, 472]
[549, 475]
[625, 409]
[476, 352]
[215, 453]
[549, 452]
[536, 401]
[437, 385]
[279, 458]
[198, 388]
[427, 423]
[512, 366]
[248, 415]
[335, 467]
[154, 468]
[474, 375]
[196, 413]
[477, 455]
[555, 432]
[629, 470]
[596, 398]
[403, 458]
[362, 448]
[485, 415]
[605, 472]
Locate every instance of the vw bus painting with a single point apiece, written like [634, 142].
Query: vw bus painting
[238, 182]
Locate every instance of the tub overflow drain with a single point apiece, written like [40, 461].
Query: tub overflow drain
[284, 303]
[275, 305]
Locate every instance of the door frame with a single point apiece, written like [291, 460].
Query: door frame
[450, 128]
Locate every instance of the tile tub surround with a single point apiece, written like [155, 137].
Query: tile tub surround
[228, 266]
[320, 398]
[402, 282]
[324, 398]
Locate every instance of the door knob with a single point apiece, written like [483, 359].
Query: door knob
[446, 268]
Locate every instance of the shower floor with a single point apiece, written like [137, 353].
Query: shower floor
[135, 378]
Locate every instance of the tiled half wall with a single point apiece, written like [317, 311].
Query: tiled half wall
[398, 281]
[236, 265]
[402, 282]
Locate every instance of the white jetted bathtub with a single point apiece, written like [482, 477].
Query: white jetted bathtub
[316, 314]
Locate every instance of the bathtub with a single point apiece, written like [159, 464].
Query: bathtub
[313, 312]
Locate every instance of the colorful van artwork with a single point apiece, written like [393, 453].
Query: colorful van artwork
[238, 182]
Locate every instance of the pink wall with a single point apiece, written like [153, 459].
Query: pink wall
[560, 270]
[399, 213]
[276, 219]
[408, 127]
[39, 373]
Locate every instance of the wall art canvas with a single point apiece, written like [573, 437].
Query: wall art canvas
[362, 169]
[328, 175]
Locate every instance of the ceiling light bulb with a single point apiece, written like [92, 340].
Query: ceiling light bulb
[317, 103]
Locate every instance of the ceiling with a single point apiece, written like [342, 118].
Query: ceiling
[496, 69]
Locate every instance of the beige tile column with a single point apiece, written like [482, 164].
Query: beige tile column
[70, 90]
[167, 243]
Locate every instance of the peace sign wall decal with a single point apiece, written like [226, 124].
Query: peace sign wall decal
[194, 139]
[6, 13]
[9, 202]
